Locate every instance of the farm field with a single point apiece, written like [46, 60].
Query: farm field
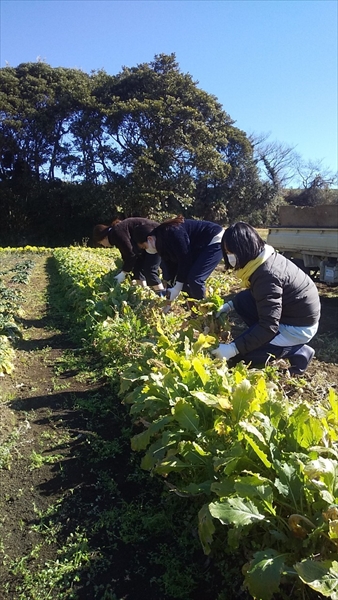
[79, 517]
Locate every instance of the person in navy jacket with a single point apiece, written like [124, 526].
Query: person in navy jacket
[190, 250]
[143, 266]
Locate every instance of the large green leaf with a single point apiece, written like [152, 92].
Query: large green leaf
[223, 488]
[252, 487]
[220, 401]
[172, 463]
[264, 574]
[320, 576]
[206, 398]
[186, 415]
[197, 489]
[236, 511]
[159, 449]
[288, 481]
[307, 429]
[228, 461]
[193, 454]
[141, 440]
[250, 428]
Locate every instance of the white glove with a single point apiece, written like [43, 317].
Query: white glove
[172, 293]
[141, 282]
[225, 309]
[120, 277]
[225, 351]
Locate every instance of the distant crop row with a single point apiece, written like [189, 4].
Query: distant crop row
[15, 270]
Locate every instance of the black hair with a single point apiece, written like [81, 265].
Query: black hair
[242, 240]
[141, 232]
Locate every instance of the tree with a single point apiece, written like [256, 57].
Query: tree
[277, 161]
[156, 142]
[38, 105]
[317, 185]
[169, 135]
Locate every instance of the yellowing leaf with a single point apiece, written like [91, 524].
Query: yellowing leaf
[333, 400]
[204, 341]
[333, 530]
[173, 356]
[200, 370]
[238, 377]
[224, 402]
[258, 451]
[200, 450]
[261, 395]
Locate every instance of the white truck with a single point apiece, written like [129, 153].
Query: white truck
[308, 235]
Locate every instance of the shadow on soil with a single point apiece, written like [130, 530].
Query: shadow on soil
[143, 542]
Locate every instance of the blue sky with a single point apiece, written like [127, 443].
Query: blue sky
[272, 64]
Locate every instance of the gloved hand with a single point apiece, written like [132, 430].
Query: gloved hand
[166, 309]
[225, 309]
[225, 351]
[172, 293]
[120, 277]
[141, 282]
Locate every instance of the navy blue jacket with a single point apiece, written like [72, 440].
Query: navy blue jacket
[179, 245]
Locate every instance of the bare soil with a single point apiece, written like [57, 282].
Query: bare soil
[34, 408]
[42, 414]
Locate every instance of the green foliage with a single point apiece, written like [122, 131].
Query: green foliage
[17, 272]
[263, 468]
[320, 576]
[145, 141]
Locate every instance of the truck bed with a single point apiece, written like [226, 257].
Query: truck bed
[318, 241]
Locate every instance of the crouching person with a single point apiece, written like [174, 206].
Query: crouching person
[280, 304]
[190, 251]
[143, 267]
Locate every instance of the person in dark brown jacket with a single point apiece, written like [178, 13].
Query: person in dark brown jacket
[143, 266]
[280, 304]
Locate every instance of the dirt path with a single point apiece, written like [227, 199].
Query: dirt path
[38, 425]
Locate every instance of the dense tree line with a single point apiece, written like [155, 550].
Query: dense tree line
[81, 148]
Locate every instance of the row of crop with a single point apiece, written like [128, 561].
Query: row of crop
[15, 271]
[266, 467]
